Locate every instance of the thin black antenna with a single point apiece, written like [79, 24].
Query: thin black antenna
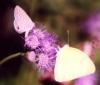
[68, 36]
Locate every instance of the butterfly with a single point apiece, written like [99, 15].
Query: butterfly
[72, 63]
[22, 22]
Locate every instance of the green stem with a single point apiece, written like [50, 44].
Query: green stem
[10, 57]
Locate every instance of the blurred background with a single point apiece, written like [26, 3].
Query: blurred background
[58, 16]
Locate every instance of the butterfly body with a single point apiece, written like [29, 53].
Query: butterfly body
[22, 22]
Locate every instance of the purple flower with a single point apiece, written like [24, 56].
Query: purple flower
[31, 56]
[38, 33]
[45, 63]
[31, 41]
[44, 46]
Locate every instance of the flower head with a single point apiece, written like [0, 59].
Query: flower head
[45, 63]
[31, 56]
[31, 41]
[44, 46]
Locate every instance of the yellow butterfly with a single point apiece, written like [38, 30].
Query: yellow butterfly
[72, 63]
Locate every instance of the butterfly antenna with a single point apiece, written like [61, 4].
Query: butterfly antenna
[68, 36]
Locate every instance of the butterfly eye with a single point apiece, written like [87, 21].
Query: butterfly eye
[17, 27]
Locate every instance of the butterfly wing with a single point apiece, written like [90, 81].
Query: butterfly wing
[22, 22]
[72, 63]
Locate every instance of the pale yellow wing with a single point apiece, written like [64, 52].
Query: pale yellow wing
[71, 63]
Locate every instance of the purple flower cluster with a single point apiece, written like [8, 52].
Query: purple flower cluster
[43, 46]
